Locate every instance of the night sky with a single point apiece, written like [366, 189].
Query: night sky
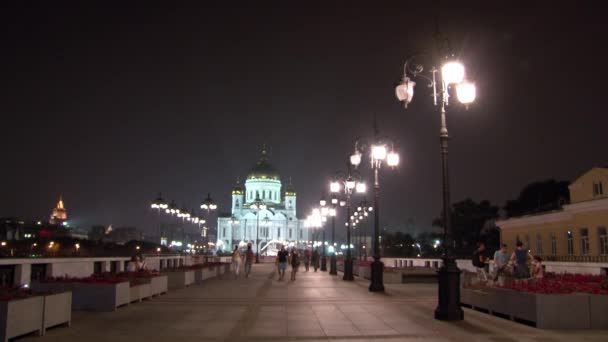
[109, 106]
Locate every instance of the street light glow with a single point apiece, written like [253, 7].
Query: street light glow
[334, 187]
[466, 92]
[361, 188]
[379, 152]
[392, 159]
[355, 159]
[452, 73]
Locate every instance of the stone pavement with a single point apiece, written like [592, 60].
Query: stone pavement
[316, 307]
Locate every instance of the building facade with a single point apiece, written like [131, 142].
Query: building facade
[59, 215]
[577, 232]
[272, 227]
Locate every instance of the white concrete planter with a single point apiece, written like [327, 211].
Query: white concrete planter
[179, 279]
[140, 292]
[365, 272]
[100, 297]
[20, 317]
[209, 272]
[159, 285]
[57, 310]
[392, 277]
[598, 311]
[547, 311]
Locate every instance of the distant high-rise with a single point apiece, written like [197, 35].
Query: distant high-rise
[59, 214]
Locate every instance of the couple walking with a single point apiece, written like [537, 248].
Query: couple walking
[283, 258]
[237, 260]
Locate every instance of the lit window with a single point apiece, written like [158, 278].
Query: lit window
[603, 239]
[598, 189]
[584, 241]
[570, 241]
[539, 244]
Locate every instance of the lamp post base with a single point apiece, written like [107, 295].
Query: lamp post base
[448, 276]
[257, 258]
[377, 282]
[348, 269]
[324, 264]
[333, 267]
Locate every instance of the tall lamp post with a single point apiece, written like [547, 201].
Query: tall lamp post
[209, 205]
[326, 211]
[333, 269]
[257, 205]
[451, 76]
[348, 185]
[160, 205]
[378, 154]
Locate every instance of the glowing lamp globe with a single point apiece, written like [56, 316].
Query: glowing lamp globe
[392, 159]
[379, 152]
[452, 73]
[466, 92]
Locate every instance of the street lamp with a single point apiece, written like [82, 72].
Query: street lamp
[378, 153]
[451, 75]
[257, 205]
[209, 205]
[326, 210]
[160, 205]
[348, 185]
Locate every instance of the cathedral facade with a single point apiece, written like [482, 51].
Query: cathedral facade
[262, 211]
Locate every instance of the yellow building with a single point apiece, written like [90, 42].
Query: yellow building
[577, 232]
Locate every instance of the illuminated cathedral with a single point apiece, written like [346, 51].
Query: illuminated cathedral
[273, 226]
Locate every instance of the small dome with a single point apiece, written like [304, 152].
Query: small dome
[263, 169]
[237, 190]
[290, 190]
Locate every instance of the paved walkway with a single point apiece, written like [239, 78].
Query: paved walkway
[316, 307]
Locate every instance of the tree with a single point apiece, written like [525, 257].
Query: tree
[468, 220]
[537, 197]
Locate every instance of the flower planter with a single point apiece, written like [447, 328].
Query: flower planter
[547, 311]
[365, 272]
[209, 272]
[563, 311]
[393, 277]
[21, 316]
[139, 292]
[179, 279]
[100, 297]
[159, 285]
[57, 310]
[598, 311]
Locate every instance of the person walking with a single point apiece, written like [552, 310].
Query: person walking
[282, 262]
[315, 259]
[479, 261]
[307, 259]
[295, 263]
[236, 261]
[501, 261]
[248, 260]
[520, 258]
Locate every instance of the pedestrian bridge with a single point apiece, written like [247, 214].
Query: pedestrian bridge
[316, 307]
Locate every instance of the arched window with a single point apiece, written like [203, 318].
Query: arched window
[263, 194]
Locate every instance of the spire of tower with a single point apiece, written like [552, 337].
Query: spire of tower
[60, 203]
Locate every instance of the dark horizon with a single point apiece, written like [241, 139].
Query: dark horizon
[107, 107]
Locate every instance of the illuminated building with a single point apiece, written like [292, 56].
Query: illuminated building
[59, 214]
[278, 222]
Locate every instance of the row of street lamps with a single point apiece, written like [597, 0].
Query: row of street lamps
[162, 207]
[450, 77]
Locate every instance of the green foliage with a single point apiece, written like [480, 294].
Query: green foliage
[538, 197]
[471, 222]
